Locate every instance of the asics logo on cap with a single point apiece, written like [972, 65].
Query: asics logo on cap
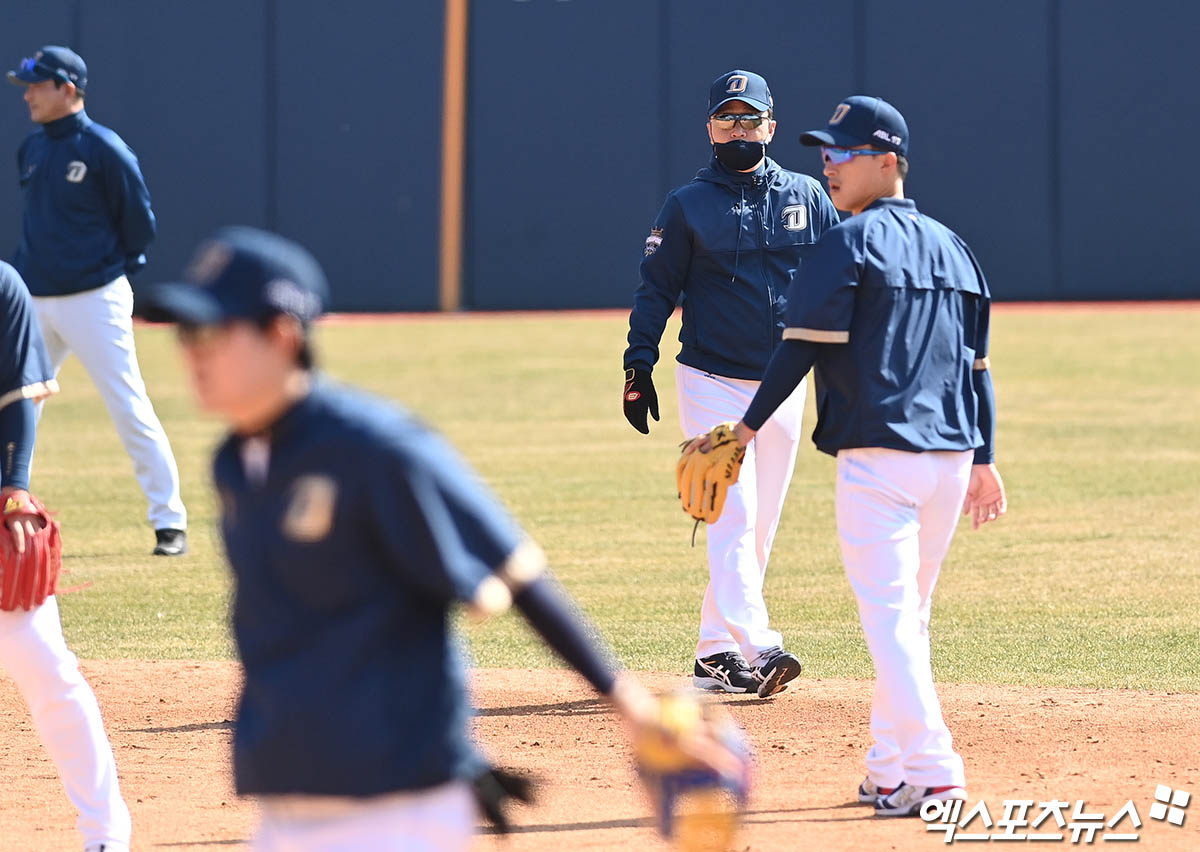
[290, 298]
[737, 83]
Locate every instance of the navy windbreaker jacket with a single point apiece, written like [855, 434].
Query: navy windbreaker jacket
[730, 243]
[87, 218]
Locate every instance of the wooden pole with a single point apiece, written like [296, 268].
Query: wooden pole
[454, 121]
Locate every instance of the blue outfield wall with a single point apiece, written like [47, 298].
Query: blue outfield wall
[1041, 129]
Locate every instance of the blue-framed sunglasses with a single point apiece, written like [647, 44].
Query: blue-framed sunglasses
[838, 156]
[39, 67]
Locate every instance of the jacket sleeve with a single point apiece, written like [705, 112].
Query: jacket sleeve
[128, 202]
[820, 304]
[664, 271]
[25, 371]
[977, 333]
[440, 527]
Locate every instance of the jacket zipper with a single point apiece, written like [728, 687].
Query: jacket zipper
[762, 260]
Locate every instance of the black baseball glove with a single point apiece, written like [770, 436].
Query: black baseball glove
[494, 788]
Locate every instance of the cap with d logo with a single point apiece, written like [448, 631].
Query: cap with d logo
[863, 120]
[739, 85]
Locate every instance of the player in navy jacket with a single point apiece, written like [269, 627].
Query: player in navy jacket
[352, 528]
[893, 311]
[728, 243]
[86, 225]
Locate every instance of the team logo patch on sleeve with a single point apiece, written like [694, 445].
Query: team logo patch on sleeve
[795, 217]
[309, 515]
[654, 241]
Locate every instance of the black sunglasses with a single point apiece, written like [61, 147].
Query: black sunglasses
[749, 121]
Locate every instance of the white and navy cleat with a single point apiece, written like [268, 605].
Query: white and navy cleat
[774, 673]
[727, 671]
[906, 800]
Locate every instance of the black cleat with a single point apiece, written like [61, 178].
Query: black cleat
[728, 671]
[170, 542]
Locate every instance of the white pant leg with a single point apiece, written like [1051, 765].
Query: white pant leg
[775, 445]
[66, 718]
[438, 820]
[888, 503]
[733, 615]
[97, 325]
[56, 347]
[938, 518]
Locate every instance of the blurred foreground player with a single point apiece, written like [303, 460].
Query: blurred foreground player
[352, 528]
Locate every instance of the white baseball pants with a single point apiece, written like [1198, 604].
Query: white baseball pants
[97, 325]
[438, 820]
[733, 615]
[896, 515]
[67, 719]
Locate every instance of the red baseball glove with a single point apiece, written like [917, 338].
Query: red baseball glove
[30, 552]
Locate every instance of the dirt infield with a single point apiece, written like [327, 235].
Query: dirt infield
[170, 726]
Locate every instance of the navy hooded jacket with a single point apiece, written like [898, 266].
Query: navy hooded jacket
[730, 243]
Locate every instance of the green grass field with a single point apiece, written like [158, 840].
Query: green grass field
[1093, 579]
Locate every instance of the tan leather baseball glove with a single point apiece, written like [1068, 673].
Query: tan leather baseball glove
[708, 465]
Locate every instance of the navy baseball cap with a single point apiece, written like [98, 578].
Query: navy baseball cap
[862, 120]
[739, 86]
[51, 63]
[242, 273]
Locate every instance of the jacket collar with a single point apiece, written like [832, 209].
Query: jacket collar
[717, 172]
[67, 125]
[901, 203]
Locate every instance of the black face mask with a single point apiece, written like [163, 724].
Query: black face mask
[740, 154]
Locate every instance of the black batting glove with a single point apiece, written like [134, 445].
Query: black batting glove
[639, 397]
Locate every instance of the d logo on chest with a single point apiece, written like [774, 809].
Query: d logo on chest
[309, 515]
[76, 171]
[795, 217]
